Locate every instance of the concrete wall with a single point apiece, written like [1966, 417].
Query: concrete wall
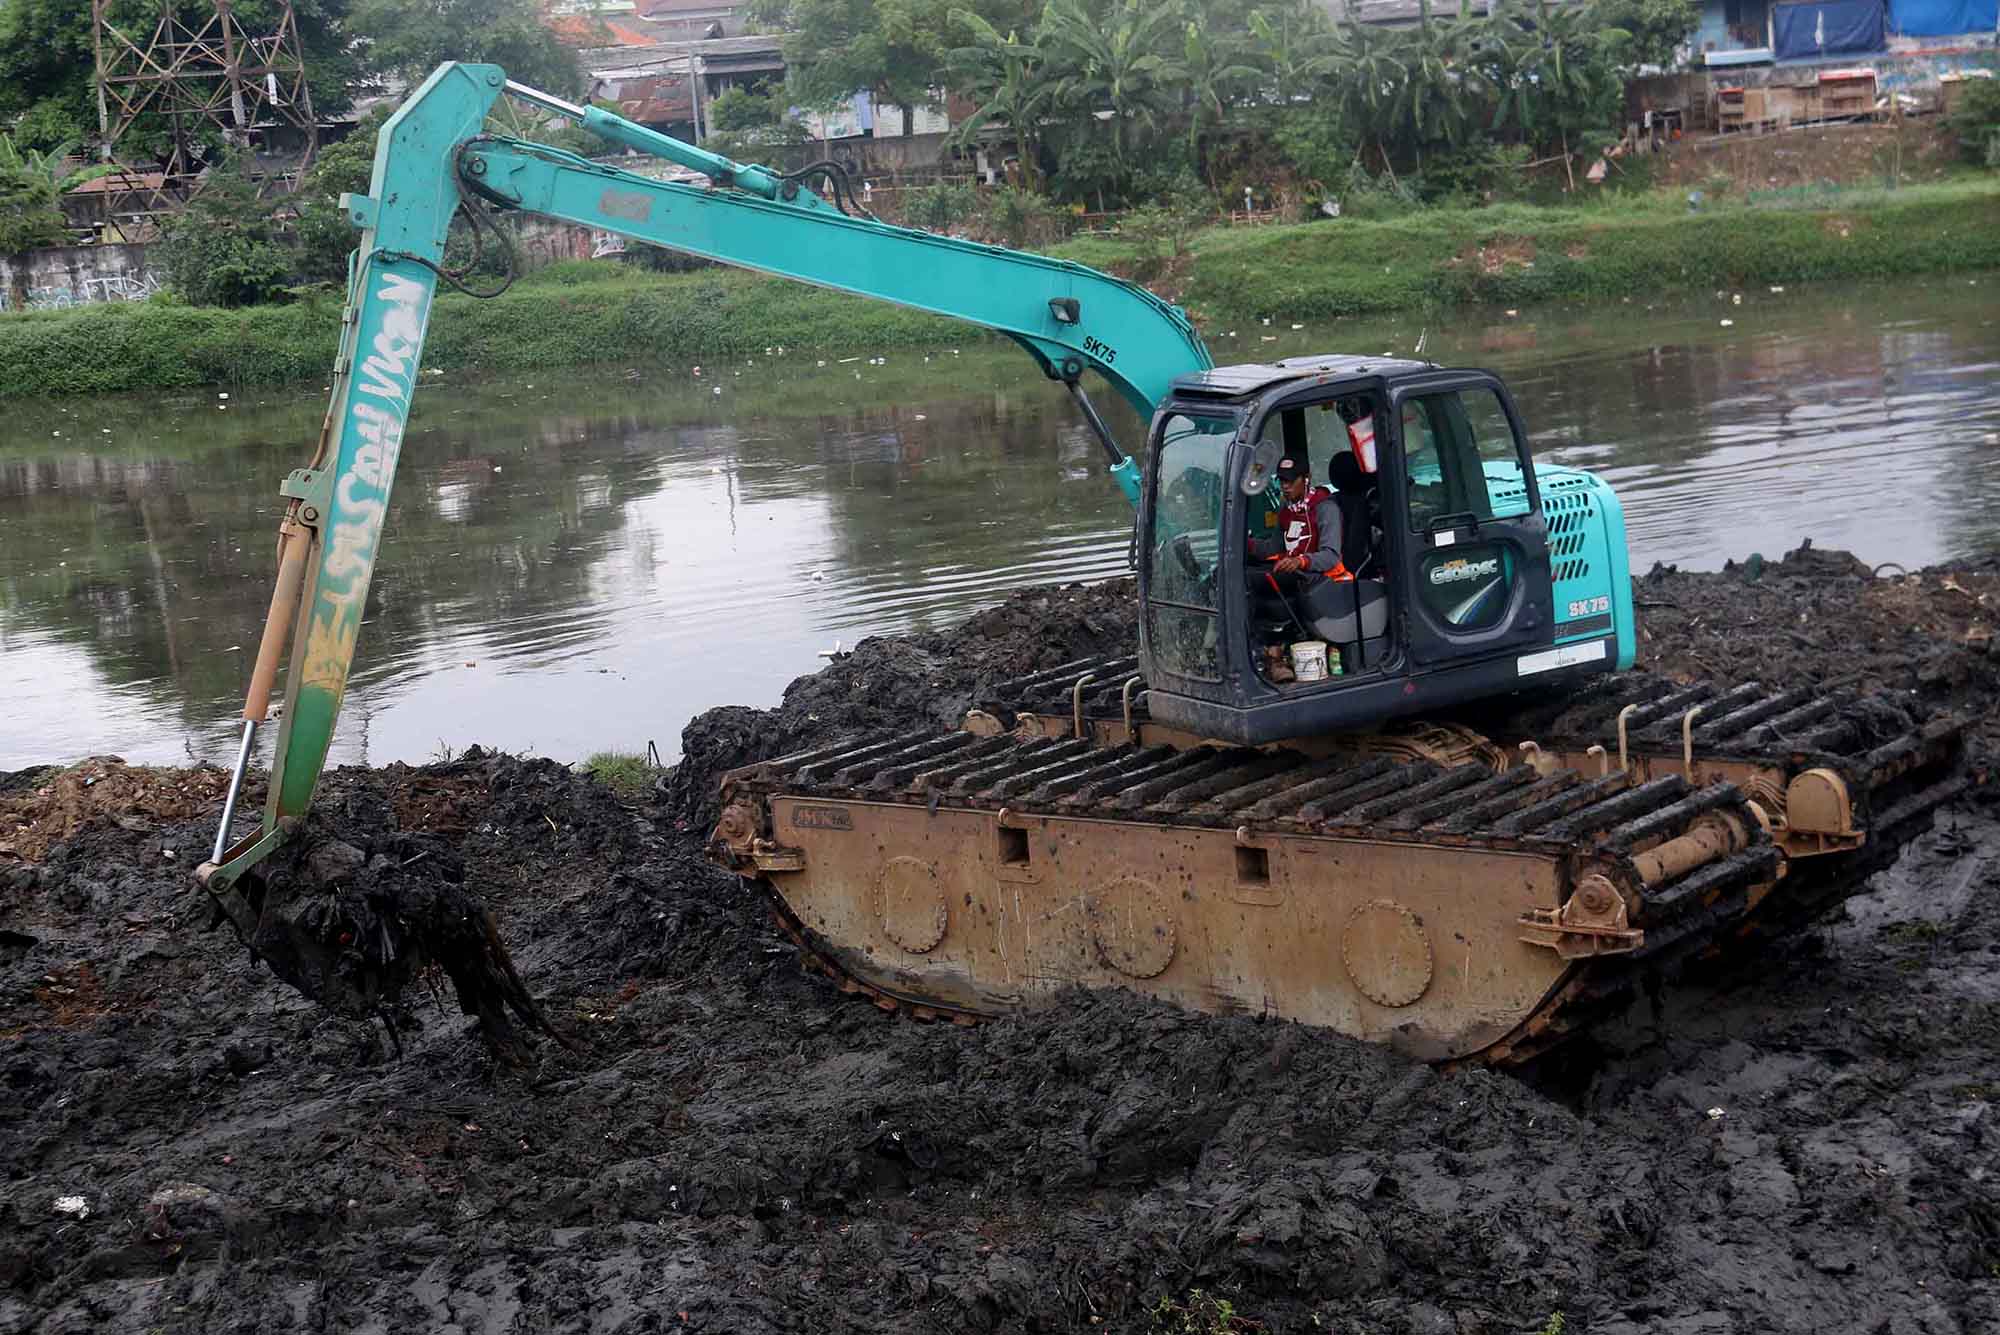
[919, 154]
[78, 275]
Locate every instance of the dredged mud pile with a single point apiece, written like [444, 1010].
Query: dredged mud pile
[190, 1146]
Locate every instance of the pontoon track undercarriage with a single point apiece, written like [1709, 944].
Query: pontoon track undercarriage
[1429, 890]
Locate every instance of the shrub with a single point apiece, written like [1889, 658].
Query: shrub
[743, 109]
[1023, 218]
[29, 216]
[1370, 197]
[1975, 121]
[224, 249]
[1318, 147]
[940, 207]
[322, 233]
[1479, 172]
[1163, 233]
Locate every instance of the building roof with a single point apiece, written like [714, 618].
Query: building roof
[719, 55]
[121, 182]
[579, 30]
[668, 51]
[689, 9]
[1409, 11]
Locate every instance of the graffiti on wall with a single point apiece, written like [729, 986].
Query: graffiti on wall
[81, 291]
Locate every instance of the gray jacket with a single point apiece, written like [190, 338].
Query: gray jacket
[1325, 554]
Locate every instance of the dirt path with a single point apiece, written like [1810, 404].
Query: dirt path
[189, 1146]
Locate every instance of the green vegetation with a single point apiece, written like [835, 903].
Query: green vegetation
[1200, 1313]
[1975, 121]
[629, 776]
[224, 248]
[558, 319]
[47, 66]
[412, 40]
[31, 181]
[1120, 103]
[1515, 255]
[586, 312]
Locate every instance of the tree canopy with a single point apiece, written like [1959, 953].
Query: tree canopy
[48, 60]
[410, 40]
[1109, 99]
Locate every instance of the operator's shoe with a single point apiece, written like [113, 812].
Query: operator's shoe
[1276, 669]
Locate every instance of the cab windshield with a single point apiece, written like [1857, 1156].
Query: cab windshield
[1186, 546]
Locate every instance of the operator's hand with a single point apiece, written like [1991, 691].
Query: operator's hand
[1285, 565]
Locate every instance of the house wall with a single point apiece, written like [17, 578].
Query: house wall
[1912, 72]
[1717, 33]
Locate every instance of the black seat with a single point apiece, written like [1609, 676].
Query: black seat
[1354, 617]
[1356, 494]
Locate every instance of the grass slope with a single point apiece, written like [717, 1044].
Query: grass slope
[1516, 255]
[578, 314]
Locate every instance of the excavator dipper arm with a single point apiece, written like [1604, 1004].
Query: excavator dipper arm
[432, 159]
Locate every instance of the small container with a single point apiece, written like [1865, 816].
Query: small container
[1309, 660]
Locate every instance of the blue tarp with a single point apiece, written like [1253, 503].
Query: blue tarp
[1943, 18]
[1826, 28]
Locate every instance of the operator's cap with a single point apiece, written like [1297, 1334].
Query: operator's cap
[1292, 466]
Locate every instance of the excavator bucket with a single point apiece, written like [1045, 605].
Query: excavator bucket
[354, 929]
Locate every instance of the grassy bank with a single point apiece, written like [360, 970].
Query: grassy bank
[1511, 255]
[616, 315]
[1516, 255]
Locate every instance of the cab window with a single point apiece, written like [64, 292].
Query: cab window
[1461, 460]
[1185, 553]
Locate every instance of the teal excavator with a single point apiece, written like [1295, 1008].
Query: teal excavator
[1351, 848]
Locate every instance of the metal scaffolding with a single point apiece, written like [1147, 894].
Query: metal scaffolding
[194, 69]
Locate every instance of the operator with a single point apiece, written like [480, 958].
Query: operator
[1307, 547]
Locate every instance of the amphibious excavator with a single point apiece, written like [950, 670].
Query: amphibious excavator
[1474, 837]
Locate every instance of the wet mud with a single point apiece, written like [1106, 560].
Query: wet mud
[733, 1146]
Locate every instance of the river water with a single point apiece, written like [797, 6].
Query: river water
[582, 562]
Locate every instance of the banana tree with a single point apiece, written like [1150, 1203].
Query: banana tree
[1009, 79]
[1298, 47]
[1560, 72]
[1445, 96]
[1121, 62]
[1369, 72]
[32, 185]
[1215, 75]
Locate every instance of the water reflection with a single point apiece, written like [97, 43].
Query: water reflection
[584, 563]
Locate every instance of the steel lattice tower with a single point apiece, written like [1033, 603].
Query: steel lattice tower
[191, 70]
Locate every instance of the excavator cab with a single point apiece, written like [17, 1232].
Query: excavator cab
[1459, 589]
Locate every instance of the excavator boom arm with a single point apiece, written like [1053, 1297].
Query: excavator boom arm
[431, 158]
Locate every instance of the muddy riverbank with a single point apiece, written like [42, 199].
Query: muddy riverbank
[189, 1146]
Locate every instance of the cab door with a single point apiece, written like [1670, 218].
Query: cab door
[1461, 502]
